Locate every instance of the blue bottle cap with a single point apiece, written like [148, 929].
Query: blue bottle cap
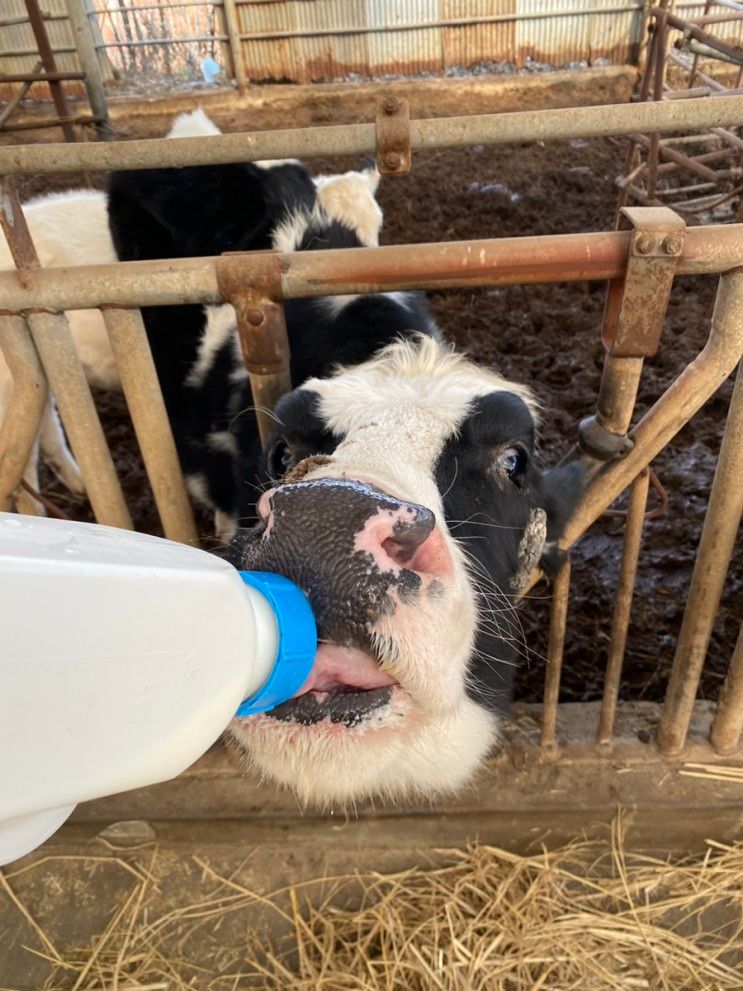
[297, 641]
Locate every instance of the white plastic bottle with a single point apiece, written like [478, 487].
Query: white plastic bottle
[122, 659]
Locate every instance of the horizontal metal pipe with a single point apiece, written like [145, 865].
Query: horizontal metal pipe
[453, 22]
[357, 139]
[456, 264]
[39, 77]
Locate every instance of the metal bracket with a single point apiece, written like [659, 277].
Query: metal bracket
[636, 303]
[600, 443]
[393, 136]
[252, 284]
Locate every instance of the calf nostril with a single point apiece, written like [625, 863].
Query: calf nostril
[408, 536]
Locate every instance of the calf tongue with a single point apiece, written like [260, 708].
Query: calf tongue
[339, 667]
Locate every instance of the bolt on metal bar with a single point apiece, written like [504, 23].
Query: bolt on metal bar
[20, 425]
[144, 398]
[728, 724]
[448, 265]
[358, 139]
[553, 670]
[623, 605]
[708, 577]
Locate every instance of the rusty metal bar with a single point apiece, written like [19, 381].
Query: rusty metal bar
[352, 139]
[20, 425]
[734, 52]
[40, 125]
[10, 109]
[56, 347]
[710, 568]
[144, 398]
[728, 723]
[684, 397]
[683, 161]
[47, 56]
[633, 322]
[447, 265]
[661, 30]
[555, 648]
[623, 605]
[262, 329]
[88, 58]
[39, 77]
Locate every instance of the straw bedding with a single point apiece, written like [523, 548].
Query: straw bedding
[587, 916]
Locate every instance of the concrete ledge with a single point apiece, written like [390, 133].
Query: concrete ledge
[559, 794]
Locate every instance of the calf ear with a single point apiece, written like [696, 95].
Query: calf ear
[371, 174]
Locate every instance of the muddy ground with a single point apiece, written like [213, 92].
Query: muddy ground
[547, 336]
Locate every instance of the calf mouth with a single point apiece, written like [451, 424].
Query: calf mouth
[346, 687]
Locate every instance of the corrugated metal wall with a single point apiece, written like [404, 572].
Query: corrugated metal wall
[311, 40]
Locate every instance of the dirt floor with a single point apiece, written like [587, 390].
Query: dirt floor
[547, 336]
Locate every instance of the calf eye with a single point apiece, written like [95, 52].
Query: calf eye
[280, 459]
[512, 462]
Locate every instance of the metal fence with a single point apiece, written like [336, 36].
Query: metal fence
[640, 262]
[160, 41]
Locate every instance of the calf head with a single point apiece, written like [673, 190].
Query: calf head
[408, 506]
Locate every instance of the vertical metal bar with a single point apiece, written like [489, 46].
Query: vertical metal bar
[70, 388]
[620, 381]
[558, 625]
[20, 426]
[625, 589]
[47, 56]
[90, 65]
[232, 23]
[660, 67]
[713, 556]
[728, 723]
[151, 424]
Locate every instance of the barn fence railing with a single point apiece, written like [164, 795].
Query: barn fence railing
[640, 264]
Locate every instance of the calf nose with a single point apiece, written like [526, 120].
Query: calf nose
[396, 534]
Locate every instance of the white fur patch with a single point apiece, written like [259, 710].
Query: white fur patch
[349, 199]
[195, 124]
[221, 325]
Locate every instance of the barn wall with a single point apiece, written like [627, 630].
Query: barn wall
[306, 41]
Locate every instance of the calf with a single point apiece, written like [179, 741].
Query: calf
[408, 503]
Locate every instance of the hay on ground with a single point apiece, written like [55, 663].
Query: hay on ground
[586, 917]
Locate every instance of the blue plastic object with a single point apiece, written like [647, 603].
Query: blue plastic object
[297, 641]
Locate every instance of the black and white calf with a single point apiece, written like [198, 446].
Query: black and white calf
[408, 504]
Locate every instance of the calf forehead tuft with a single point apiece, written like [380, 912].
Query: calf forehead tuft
[419, 371]
[397, 411]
